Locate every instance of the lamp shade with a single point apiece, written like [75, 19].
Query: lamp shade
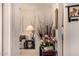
[29, 28]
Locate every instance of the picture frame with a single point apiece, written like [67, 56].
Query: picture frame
[29, 44]
[73, 13]
[25, 43]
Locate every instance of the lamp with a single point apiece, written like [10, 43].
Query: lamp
[29, 31]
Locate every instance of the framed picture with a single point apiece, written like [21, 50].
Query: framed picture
[25, 43]
[73, 13]
[29, 44]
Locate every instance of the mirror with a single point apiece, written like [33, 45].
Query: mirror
[33, 30]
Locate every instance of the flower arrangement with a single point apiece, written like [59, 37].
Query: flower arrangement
[47, 34]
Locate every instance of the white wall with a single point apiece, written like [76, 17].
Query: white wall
[71, 35]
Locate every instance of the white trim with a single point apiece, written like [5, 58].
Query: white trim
[0, 29]
[6, 29]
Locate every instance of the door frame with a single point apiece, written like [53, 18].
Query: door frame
[1, 30]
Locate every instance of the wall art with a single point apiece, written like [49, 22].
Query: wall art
[73, 13]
